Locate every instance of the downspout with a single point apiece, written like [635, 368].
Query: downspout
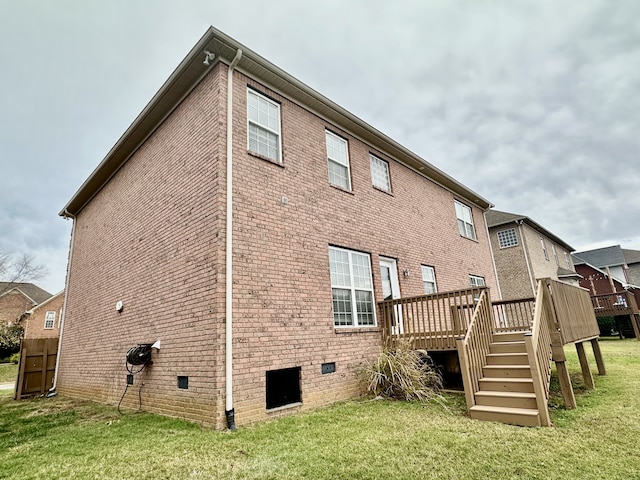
[229, 411]
[52, 390]
[526, 257]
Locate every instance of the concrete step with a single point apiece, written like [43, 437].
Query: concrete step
[508, 337]
[526, 417]
[508, 358]
[507, 399]
[507, 371]
[508, 347]
[510, 384]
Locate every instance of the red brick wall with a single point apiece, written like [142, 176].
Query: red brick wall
[12, 305]
[154, 238]
[35, 323]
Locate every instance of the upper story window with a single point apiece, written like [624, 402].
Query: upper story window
[476, 281]
[544, 248]
[49, 319]
[428, 279]
[380, 173]
[507, 238]
[351, 288]
[263, 116]
[555, 254]
[567, 260]
[338, 155]
[465, 220]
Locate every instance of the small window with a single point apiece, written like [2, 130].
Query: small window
[49, 319]
[380, 173]
[567, 260]
[555, 254]
[507, 238]
[338, 155]
[476, 281]
[283, 387]
[544, 248]
[352, 288]
[465, 221]
[263, 115]
[428, 279]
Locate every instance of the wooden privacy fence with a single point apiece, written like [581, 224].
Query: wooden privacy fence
[432, 322]
[36, 367]
[573, 312]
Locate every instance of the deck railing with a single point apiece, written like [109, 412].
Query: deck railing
[432, 322]
[513, 315]
[474, 347]
[612, 304]
[573, 311]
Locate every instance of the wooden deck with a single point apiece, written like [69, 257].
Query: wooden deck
[618, 304]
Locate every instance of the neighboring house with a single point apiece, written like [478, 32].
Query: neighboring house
[524, 252]
[632, 259]
[329, 217]
[609, 259]
[43, 320]
[17, 298]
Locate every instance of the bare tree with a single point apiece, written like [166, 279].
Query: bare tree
[20, 268]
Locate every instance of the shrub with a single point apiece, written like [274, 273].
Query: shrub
[14, 358]
[403, 373]
[10, 339]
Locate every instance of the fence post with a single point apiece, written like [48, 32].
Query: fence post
[20, 380]
[467, 384]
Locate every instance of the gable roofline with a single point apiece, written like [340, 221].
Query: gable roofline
[611, 256]
[624, 284]
[188, 75]
[497, 218]
[19, 290]
[37, 307]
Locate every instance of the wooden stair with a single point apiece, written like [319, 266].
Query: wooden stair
[506, 389]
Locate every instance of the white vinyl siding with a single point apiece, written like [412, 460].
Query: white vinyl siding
[263, 117]
[465, 221]
[352, 288]
[49, 319]
[507, 238]
[428, 279]
[338, 156]
[380, 173]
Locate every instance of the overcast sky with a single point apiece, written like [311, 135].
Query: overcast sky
[533, 104]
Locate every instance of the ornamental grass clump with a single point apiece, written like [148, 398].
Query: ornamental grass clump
[403, 373]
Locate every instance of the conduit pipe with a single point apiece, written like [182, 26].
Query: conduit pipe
[229, 411]
[52, 390]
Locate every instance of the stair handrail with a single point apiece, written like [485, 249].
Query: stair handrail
[539, 350]
[473, 347]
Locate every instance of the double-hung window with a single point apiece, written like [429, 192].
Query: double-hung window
[338, 155]
[351, 288]
[49, 319]
[476, 281]
[428, 279]
[465, 220]
[380, 173]
[263, 116]
[507, 238]
[567, 260]
[555, 254]
[544, 249]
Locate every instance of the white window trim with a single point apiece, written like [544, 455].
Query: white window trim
[338, 161]
[353, 289]
[49, 313]
[431, 280]
[475, 280]
[506, 235]
[465, 234]
[251, 91]
[372, 160]
[567, 261]
[555, 254]
[544, 248]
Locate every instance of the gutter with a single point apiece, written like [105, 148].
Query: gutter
[52, 390]
[229, 411]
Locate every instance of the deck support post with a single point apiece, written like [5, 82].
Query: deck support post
[635, 321]
[584, 366]
[595, 346]
[557, 352]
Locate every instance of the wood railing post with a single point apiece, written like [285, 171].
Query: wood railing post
[467, 384]
[595, 345]
[584, 366]
[635, 321]
[538, 386]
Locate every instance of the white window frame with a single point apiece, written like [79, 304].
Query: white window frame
[355, 314]
[49, 319]
[343, 162]
[428, 278]
[544, 248]
[261, 126]
[567, 260]
[476, 281]
[464, 216]
[380, 176]
[555, 254]
[507, 238]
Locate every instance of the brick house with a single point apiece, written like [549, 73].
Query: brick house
[524, 251]
[43, 320]
[17, 298]
[329, 216]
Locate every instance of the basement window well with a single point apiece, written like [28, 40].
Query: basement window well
[283, 387]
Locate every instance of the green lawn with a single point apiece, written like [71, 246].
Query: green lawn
[363, 439]
[8, 372]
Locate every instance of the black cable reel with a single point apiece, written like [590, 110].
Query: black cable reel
[137, 359]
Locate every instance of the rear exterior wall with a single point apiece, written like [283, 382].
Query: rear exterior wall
[511, 265]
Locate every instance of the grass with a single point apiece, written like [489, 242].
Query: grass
[8, 372]
[361, 439]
